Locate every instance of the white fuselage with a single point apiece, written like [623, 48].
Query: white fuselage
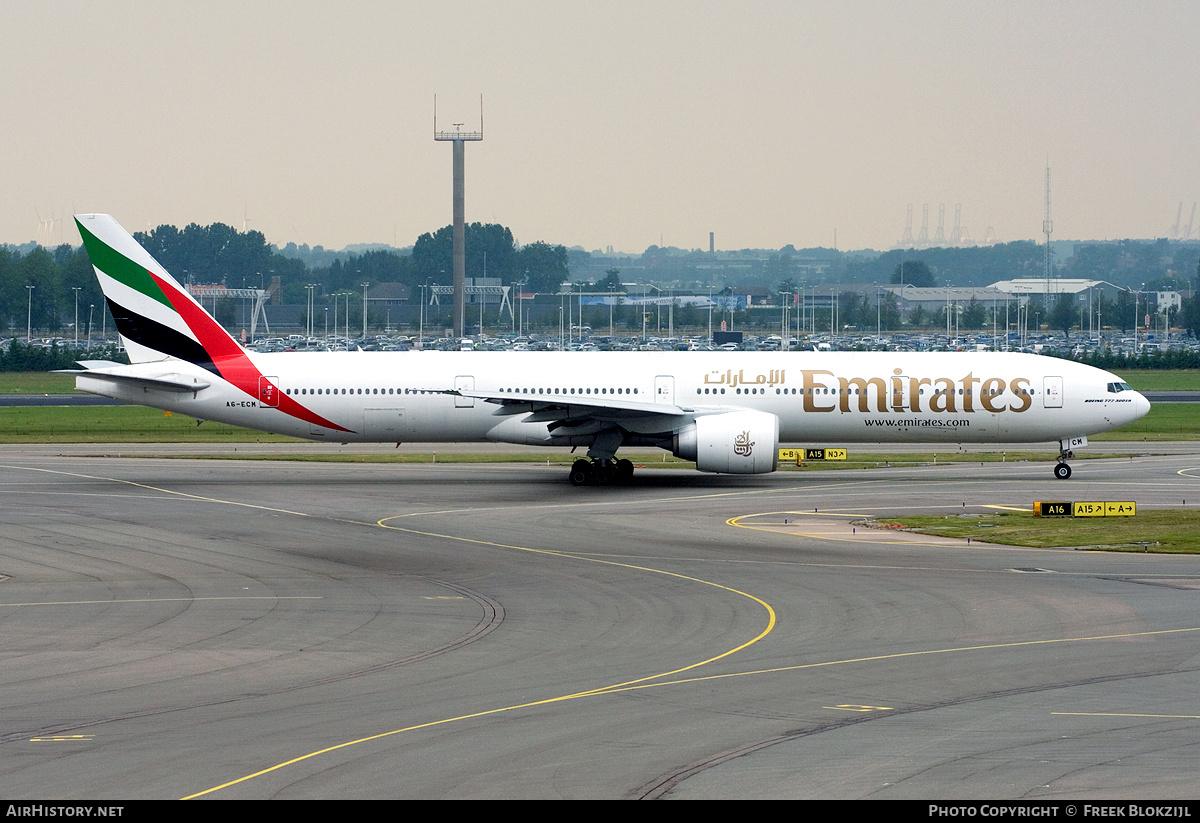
[822, 398]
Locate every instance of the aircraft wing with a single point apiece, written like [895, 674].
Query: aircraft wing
[558, 407]
[718, 438]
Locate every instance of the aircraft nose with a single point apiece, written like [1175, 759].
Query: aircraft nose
[1141, 406]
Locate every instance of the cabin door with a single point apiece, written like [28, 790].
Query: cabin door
[1052, 392]
[268, 392]
[664, 389]
[464, 382]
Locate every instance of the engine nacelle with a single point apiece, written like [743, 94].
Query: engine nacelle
[736, 442]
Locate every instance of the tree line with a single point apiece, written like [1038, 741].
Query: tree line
[220, 255]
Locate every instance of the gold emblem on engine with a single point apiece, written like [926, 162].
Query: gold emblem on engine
[743, 445]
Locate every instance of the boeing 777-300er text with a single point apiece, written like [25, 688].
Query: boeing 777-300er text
[727, 411]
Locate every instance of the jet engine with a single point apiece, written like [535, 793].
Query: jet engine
[736, 442]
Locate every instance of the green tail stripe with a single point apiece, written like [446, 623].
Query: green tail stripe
[121, 268]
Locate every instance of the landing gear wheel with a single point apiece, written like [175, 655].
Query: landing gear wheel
[581, 473]
[1062, 471]
[600, 472]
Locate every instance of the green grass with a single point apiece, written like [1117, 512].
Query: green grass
[1162, 379]
[1166, 421]
[118, 424]
[1165, 530]
[36, 382]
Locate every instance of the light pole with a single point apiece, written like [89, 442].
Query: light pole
[878, 315]
[833, 311]
[1135, 296]
[783, 321]
[309, 324]
[521, 305]
[948, 316]
[29, 317]
[76, 290]
[89, 340]
[365, 310]
[643, 314]
[421, 319]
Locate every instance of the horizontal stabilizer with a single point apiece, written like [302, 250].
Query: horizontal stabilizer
[172, 382]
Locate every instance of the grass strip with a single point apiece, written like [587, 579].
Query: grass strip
[1174, 531]
[118, 424]
[36, 382]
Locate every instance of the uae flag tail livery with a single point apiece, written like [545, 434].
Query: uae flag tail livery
[159, 321]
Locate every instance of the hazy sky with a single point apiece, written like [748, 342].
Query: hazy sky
[623, 123]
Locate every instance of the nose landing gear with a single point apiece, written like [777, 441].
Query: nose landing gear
[1061, 470]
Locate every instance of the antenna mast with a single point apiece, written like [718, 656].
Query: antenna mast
[1048, 228]
[458, 138]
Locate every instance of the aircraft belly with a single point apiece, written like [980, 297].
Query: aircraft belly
[386, 424]
[442, 422]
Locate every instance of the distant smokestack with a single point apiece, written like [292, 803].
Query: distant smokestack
[711, 243]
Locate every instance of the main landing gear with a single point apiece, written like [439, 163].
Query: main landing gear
[600, 472]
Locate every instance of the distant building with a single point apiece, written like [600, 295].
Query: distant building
[1047, 291]
[934, 298]
[1168, 301]
[389, 293]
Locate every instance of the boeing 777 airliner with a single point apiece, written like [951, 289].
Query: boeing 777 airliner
[727, 411]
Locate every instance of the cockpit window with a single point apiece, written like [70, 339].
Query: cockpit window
[1118, 387]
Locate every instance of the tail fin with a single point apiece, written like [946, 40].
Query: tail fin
[157, 319]
[155, 316]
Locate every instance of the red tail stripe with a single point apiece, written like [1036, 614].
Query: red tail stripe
[230, 359]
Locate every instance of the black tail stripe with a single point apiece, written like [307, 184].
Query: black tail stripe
[153, 335]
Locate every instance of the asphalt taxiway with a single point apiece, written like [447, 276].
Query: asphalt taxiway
[179, 628]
